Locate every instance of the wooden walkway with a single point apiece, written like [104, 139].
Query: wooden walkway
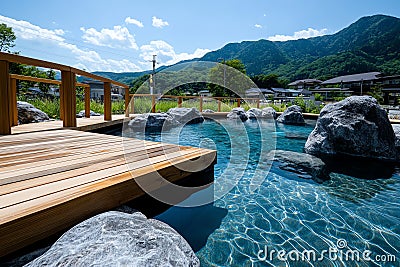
[52, 180]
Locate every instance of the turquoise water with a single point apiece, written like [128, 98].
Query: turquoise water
[345, 214]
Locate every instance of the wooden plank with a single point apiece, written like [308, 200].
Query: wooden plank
[14, 108]
[107, 101]
[69, 98]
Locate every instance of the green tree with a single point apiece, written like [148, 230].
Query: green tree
[7, 38]
[236, 82]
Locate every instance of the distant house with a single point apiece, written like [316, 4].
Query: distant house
[330, 93]
[204, 93]
[97, 90]
[358, 83]
[259, 93]
[305, 84]
[391, 89]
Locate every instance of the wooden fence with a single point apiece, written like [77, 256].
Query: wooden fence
[68, 84]
[180, 99]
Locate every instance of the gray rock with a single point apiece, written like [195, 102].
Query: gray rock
[119, 239]
[269, 112]
[27, 113]
[292, 116]
[355, 126]
[303, 165]
[208, 111]
[153, 122]
[186, 115]
[237, 113]
[81, 114]
[396, 129]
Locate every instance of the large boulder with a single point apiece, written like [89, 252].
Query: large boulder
[269, 112]
[356, 126]
[186, 115]
[27, 113]
[292, 116]
[153, 122]
[303, 165]
[119, 239]
[237, 113]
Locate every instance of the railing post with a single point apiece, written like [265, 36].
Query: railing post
[126, 102]
[219, 105]
[238, 102]
[153, 103]
[107, 101]
[87, 102]
[258, 103]
[13, 106]
[133, 104]
[61, 92]
[69, 98]
[5, 93]
[201, 104]
[179, 102]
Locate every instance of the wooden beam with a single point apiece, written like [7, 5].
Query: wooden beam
[97, 77]
[179, 102]
[69, 98]
[32, 61]
[42, 80]
[13, 104]
[201, 104]
[238, 102]
[5, 123]
[127, 102]
[87, 102]
[258, 103]
[133, 104]
[61, 92]
[107, 101]
[219, 105]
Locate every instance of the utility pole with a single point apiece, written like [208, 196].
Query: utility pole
[223, 62]
[152, 76]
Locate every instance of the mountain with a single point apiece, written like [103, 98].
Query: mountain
[370, 44]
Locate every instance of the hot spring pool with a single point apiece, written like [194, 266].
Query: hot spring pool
[338, 219]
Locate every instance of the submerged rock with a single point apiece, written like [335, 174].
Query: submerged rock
[153, 122]
[303, 165]
[292, 116]
[119, 239]
[237, 113]
[186, 115]
[356, 126]
[27, 113]
[270, 112]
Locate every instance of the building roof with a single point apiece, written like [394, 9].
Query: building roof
[327, 90]
[259, 90]
[368, 76]
[305, 81]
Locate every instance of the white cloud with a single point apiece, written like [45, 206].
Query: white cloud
[159, 23]
[303, 34]
[118, 37]
[257, 26]
[166, 54]
[92, 61]
[130, 20]
[28, 31]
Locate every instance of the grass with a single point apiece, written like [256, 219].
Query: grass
[143, 105]
[52, 106]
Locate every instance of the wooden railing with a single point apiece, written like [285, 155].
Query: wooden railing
[68, 84]
[180, 100]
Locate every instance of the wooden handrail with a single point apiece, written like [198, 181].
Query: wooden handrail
[68, 84]
[42, 80]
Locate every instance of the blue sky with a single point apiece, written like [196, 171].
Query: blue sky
[121, 36]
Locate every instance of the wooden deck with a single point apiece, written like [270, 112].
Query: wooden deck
[52, 180]
[83, 124]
